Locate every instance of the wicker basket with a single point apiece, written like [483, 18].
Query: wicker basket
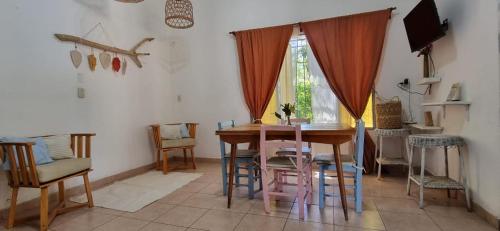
[388, 114]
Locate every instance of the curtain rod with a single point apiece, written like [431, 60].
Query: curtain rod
[298, 23]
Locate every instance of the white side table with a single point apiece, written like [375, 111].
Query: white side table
[379, 144]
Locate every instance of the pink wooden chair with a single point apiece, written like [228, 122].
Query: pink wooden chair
[283, 165]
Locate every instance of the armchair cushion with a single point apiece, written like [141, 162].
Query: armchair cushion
[59, 147]
[61, 168]
[166, 143]
[40, 151]
[171, 132]
[184, 131]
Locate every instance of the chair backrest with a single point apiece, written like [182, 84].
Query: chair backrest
[267, 145]
[223, 125]
[156, 134]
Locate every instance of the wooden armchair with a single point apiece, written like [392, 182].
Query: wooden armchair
[163, 146]
[29, 175]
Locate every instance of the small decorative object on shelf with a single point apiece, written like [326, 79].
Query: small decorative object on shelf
[428, 119]
[429, 81]
[288, 109]
[454, 94]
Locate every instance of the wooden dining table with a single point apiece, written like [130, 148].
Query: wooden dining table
[334, 134]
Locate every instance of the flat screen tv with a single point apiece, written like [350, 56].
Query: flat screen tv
[423, 25]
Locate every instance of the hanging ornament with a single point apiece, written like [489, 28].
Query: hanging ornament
[76, 57]
[124, 66]
[92, 60]
[116, 63]
[105, 59]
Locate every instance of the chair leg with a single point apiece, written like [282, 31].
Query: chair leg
[446, 168]
[44, 209]
[251, 174]
[265, 191]
[158, 159]
[88, 190]
[60, 186]
[237, 173]
[321, 186]
[165, 162]
[309, 185]
[358, 190]
[185, 156]
[192, 158]
[300, 194]
[12, 210]
[224, 175]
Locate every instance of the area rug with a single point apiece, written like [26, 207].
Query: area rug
[137, 192]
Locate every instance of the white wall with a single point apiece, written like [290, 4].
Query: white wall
[38, 81]
[208, 81]
[469, 55]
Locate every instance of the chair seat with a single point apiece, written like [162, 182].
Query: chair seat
[177, 143]
[283, 162]
[241, 153]
[327, 158]
[61, 168]
[292, 151]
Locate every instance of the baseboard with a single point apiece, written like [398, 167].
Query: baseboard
[487, 216]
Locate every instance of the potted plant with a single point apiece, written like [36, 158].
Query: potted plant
[288, 109]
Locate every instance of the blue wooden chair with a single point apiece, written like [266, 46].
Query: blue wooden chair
[245, 159]
[350, 165]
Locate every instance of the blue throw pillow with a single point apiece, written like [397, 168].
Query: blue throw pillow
[184, 131]
[40, 151]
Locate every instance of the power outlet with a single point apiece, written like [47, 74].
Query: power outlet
[405, 82]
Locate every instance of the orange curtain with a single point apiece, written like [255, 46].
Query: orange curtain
[261, 53]
[348, 50]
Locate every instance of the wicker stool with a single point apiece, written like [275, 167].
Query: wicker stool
[424, 141]
[384, 133]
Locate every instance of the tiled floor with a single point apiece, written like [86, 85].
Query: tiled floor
[201, 206]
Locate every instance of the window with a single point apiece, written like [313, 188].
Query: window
[301, 81]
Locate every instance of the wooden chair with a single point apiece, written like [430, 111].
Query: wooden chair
[26, 175]
[283, 165]
[350, 164]
[244, 159]
[163, 146]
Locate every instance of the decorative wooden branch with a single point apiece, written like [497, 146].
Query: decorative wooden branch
[131, 53]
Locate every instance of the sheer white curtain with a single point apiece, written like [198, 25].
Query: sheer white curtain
[325, 106]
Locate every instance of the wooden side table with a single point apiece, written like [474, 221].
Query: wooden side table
[379, 144]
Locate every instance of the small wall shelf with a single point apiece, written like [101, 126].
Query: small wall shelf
[426, 128]
[450, 103]
[429, 81]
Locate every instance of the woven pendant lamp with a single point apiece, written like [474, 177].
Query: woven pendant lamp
[179, 14]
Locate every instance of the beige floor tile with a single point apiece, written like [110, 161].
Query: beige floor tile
[150, 212]
[107, 211]
[397, 205]
[461, 223]
[199, 200]
[239, 205]
[313, 213]
[400, 221]
[123, 224]
[215, 189]
[162, 227]
[216, 220]
[85, 221]
[366, 219]
[193, 187]
[296, 225]
[278, 209]
[260, 223]
[70, 215]
[175, 197]
[181, 216]
[347, 228]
